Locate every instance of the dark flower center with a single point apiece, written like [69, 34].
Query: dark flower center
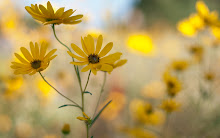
[36, 64]
[148, 109]
[93, 58]
[170, 84]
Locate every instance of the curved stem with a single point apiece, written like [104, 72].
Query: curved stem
[87, 81]
[58, 91]
[102, 89]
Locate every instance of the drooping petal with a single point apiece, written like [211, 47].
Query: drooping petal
[94, 71]
[99, 44]
[111, 58]
[120, 63]
[106, 67]
[78, 50]
[106, 49]
[77, 57]
[86, 68]
[26, 54]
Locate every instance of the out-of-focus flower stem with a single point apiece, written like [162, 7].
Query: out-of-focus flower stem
[59, 92]
[102, 89]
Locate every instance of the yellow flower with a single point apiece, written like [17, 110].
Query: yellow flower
[86, 118]
[209, 18]
[47, 15]
[170, 105]
[35, 61]
[93, 58]
[209, 76]
[180, 65]
[144, 113]
[197, 52]
[66, 129]
[141, 43]
[137, 132]
[173, 84]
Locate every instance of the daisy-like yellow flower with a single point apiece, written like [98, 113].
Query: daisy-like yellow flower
[170, 105]
[47, 15]
[180, 65]
[173, 84]
[197, 52]
[95, 59]
[209, 18]
[33, 62]
[86, 118]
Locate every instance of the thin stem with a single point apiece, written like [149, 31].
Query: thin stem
[102, 89]
[58, 91]
[87, 130]
[87, 81]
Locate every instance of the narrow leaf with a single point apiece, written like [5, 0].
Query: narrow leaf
[88, 92]
[68, 105]
[97, 116]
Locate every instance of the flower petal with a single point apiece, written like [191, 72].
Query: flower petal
[50, 8]
[111, 58]
[99, 44]
[77, 57]
[59, 12]
[106, 49]
[21, 59]
[79, 63]
[26, 54]
[78, 50]
[84, 46]
[43, 50]
[50, 54]
[86, 68]
[106, 67]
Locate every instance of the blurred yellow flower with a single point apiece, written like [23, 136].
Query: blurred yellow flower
[190, 26]
[94, 33]
[118, 102]
[170, 105]
[66, 129]
[179, 65]
[6, 123]
[172, 83]
[44, 88]
[47, 15]
[141, 43]
[14, 83]
[197, 52]
[35, 61]
[216, 32]
[209, 18]
[92, 57]
[137, 132]
[145, 113]
[209, 76]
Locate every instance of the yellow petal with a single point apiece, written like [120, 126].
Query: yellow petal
[91, 42]
[106, 67]
[94, 71]
[50, 54]
[26, 54]
[59, 12]
[21, 59]
[72, 22]
[37, 50]
[73, 18]
[79, 63]
[78, 50]
[50, 8]
[120, 63]
[67, 13]
[86, 68]
[51, 58]
[85, 115]
[53, 22]
[43, 50]
[82, 118]
[84, 46]
[111, 58]
[44, 10]
[99, 44]
[32, 50]
[201, 8]
[77, 57]
[106, 49]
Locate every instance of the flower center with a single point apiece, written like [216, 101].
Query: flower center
[36, 64]
[93, 58]
[170, 84]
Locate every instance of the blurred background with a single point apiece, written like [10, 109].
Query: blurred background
[168, 58]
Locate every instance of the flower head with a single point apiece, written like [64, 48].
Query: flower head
[180, 65]
[173, 84]
[86, 118]
[33, 62]
[95, 59]
[197, 51]
[66, 129]
[47, 15]
[170, 105]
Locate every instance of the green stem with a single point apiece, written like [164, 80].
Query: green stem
[87, 130]
[87, 81]
[102, 89]
[58, 91]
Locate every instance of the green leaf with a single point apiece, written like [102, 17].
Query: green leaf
[88, 92]
[97, 116]
[68, 105]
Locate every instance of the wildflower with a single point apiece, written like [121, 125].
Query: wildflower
[93, 58]
[141, 43]
[47, 15]
[173, 84]
[209, 76]
[66, 129]
[170, 105]
[144, 113]
[137, 132]
[35, 61]
[180, 65]
[209, 18]
[197, 52]
[86, 118]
